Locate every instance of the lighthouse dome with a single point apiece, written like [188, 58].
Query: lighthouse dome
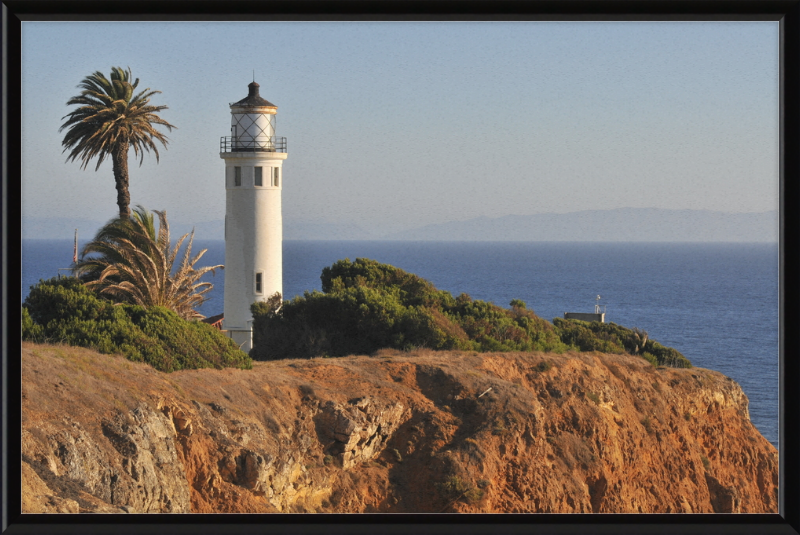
[253, 99]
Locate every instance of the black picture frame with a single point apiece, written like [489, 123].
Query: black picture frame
[787, 12]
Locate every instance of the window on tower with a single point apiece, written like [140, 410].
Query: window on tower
[258, 283]
[259, 179]
[237, 176]
[276, 176]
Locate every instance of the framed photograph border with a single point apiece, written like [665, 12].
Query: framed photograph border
[15, 12]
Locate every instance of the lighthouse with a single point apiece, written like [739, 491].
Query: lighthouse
[253, 158]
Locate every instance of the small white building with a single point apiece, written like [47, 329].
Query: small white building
[586, 316]
[253, 223]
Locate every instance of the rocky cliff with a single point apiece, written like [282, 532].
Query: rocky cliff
[394, 432]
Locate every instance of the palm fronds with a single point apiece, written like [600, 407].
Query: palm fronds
[135, 264]
[109, 120]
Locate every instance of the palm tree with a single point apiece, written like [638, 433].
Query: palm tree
[111, 119]
[135, 265]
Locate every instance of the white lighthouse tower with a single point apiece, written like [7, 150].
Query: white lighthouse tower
[253, 223]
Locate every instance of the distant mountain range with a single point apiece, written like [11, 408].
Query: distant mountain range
[621, 225]
[321, 230]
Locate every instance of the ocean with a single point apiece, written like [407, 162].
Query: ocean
[717, 303]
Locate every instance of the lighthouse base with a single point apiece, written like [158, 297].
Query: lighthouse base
[242, 337]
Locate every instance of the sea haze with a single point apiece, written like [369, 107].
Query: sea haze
[717, 303]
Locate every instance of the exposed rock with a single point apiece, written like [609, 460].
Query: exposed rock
[145, 441]
[356, 432]
[397, 432]
[37, 497]
[723, 499]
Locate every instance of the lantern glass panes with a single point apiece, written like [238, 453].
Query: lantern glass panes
[253, 131]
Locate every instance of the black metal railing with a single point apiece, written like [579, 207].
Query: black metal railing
[263, 144]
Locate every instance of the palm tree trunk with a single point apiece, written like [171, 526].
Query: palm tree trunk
[120, 165]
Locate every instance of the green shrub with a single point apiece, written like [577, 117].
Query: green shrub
[454, 486]
[365, 306]
[62, 310]
[593, 336]
[649, 357]
[706, 462]
[594, 397]
[31, 330]
[63, 297]
[613, 338]
[473, 495]
[667, 356]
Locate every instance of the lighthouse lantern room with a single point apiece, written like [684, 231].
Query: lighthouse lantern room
[253, 158]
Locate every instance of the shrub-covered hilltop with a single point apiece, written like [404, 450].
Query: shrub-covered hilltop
[63, 310]
[365, 306]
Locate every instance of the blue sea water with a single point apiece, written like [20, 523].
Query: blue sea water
[717, 303]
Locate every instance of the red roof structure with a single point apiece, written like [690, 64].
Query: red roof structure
[214, 321]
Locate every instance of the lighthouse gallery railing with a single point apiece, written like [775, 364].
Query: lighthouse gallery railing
[264, 144]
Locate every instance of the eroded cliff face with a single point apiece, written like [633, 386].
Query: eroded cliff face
[395, 432]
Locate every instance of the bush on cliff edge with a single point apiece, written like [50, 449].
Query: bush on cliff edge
[62, 310]
[613, 338]
[365, 306]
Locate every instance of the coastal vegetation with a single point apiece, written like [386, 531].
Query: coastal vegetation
[109, 121]
[128, 296]
[64, 310]
[613, 338]
[131, 261]
[365, 306]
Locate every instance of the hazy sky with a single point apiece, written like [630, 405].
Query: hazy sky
[394, 125]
